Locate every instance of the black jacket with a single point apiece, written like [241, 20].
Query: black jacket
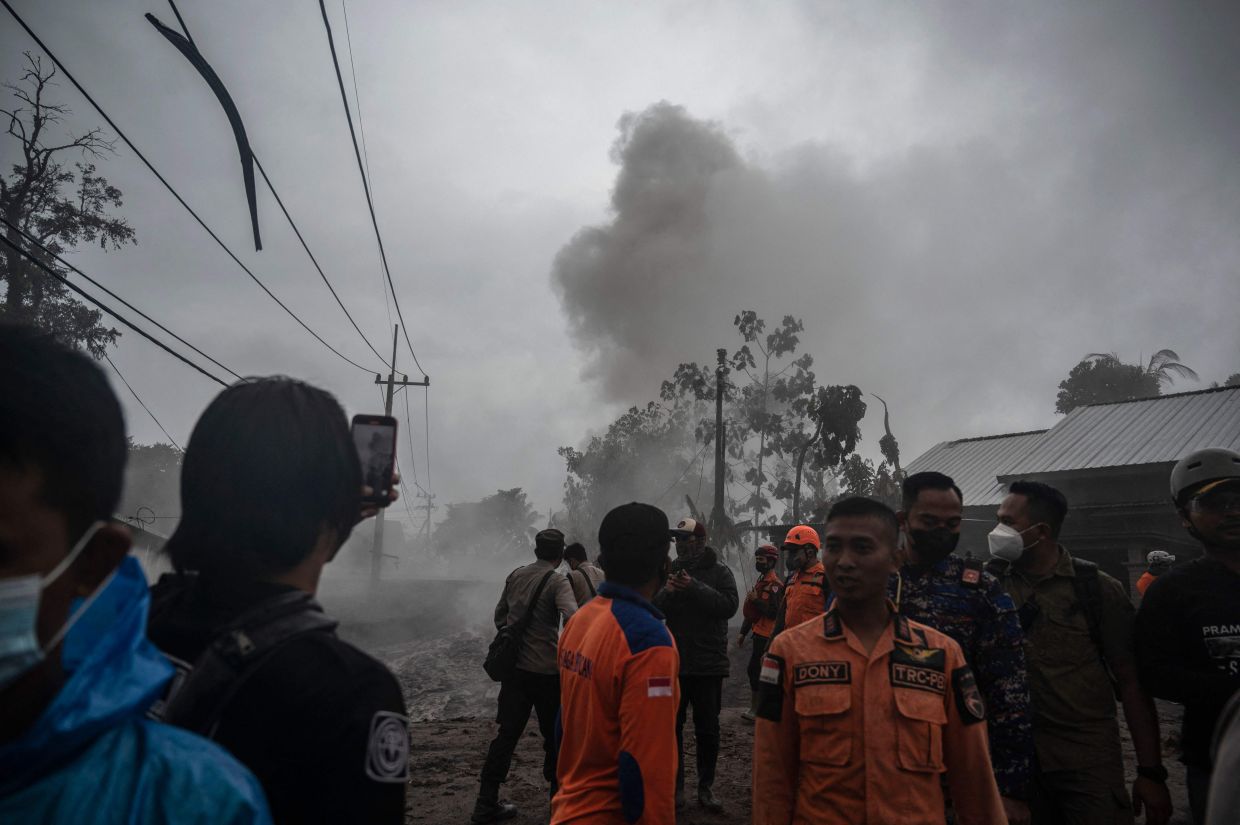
[698, 616]
[1188, 646]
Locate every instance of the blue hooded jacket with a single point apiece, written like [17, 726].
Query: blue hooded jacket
[92, 756]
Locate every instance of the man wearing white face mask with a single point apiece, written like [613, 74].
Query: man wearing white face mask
[1078, 626]
[76, 672]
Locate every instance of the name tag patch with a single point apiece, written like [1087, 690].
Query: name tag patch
[918, 678]
[658, 686]
[770, 671]
[822, 673]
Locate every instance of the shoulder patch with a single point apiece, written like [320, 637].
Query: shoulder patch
[641, 629]
[968, 698]
[387, 750]
[771, 689]
[971, 574]
[831, 627]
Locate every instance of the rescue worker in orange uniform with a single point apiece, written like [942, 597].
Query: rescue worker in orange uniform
[863, 711]
[804, 594]
[760, 608]
[619, 692]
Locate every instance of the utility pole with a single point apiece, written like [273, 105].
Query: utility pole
[376, 555]
[721, 375]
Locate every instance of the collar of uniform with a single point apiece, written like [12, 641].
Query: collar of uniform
[914, 570]
[611, 590]
[833, 628]
[1063, 567]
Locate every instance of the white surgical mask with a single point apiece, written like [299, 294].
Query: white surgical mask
[19, 613]
[1007, 543]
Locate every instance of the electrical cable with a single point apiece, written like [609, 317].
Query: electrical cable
[30, 238]
[426, 412]
[361, 168]
[409, 433]
[140, 401]
[172, 190]
[108, 309]
[361, 125]
[688, 467]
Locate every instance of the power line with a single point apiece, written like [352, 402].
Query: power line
[409, 432]
[296, 231]
[426, 412]
[108, 309]
[140, 401]
[688, 467]
[171, 189]
[31, 239]
[361, 168]
[361, 124]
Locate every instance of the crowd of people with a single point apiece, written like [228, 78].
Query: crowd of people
[892, 680]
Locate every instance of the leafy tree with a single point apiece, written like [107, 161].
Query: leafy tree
[646, 454]
[858, 476]
[60, 206]
[1102, 378]
[835, 414]
[499, 525]
[1233, 380]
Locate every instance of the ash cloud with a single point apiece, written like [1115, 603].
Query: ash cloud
[1090, 206]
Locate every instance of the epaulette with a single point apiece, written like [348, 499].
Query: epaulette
[831, 627]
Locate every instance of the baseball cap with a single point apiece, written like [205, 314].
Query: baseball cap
[549, 539]
[632, 526]
[689, 527]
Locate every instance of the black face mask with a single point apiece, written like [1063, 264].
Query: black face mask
[934, 545]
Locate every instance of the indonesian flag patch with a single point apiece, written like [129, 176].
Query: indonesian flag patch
[658, 686]
[770, 671]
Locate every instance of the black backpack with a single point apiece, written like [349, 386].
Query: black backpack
[501, 661]
[200, 692]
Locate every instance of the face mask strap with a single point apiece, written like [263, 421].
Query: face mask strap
[81, 611]
[76, 551]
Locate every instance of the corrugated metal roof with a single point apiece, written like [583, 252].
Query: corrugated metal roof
[1129, 433]
[975, 462]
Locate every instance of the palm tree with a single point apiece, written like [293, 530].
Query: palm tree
[1164, 366]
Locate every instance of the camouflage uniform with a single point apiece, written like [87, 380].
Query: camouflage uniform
[971, 607]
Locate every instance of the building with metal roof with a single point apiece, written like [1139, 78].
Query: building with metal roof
[1112, 461]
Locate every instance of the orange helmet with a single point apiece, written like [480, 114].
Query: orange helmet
[767, 551]
[803, 534]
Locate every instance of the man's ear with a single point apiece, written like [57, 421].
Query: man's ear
[1185, 521]
[100, 557]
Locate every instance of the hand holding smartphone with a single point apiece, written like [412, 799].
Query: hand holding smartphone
[374, 436]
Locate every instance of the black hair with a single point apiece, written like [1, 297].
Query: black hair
[857, 506]
[1045, 503]
[575, 552]
[928, 480]
[633, 542]
[269, 465]
[548, 553]
[59, 417]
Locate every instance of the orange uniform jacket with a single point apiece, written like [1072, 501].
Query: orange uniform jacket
[803, 597]
[618, 698]
[1147, 578]
[760, 613]
[845, 737]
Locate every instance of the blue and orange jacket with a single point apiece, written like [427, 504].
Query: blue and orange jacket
[618, 699]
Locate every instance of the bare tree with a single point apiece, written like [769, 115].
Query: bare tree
[61, 207]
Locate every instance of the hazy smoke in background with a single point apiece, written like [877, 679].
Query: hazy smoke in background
[1096, 210]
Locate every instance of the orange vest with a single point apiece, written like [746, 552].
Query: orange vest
[1147, 578]
[803, 597]
[619, 693]
[765, 594]
[845, 736]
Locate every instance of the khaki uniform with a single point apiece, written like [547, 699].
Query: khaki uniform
[1080, 769]
[844, 736]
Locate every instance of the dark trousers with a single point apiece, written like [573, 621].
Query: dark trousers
[1198, 781]
[517, 696]
[705, 694]
[755, 660]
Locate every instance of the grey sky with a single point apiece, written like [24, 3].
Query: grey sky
[959, 199]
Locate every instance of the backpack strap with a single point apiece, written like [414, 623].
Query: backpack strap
[200, 695]
[589, 583]
[1088, 589]
[520, 625]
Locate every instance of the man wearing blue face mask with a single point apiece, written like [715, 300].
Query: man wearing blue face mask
[1078, 626]
[77, 674]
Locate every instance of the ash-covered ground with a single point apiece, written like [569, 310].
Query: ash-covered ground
[434, 636]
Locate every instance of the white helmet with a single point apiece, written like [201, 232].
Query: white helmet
[1159, 558]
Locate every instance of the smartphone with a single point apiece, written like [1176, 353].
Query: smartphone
[374, 436]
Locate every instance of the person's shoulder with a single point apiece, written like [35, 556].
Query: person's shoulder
[182, 766]
[333, 667]
[642, 630]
